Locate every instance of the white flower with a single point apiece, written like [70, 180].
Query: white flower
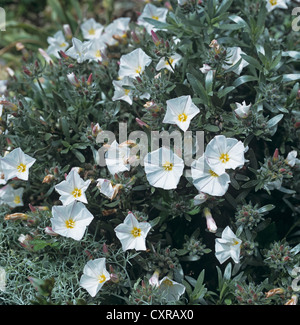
[122, 93]
[164, 63]
[151, 11]
[118, 27]
[132, 233]
[233, 56]
[290, 159]
[133, 63]
[106, 187]
[273, 4]
[180, 111]
[228, 246]
[242, 110]
[73, 188]
[200, 198]
[71, 220]
[73, 79]
[206, 180]
[57, 43]
[16, 164]
[205, 68]
[224, 153]
[10, 196]
[91, 29]
[94, 276]
[95, 50]
[78, 50]
[2, 177]
[172, 290]
[117, 158]
[163, 168]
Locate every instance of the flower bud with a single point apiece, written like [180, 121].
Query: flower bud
[16, 216]
[155, 38]
[154, 280]
[292, 301]
[73, 79]
[67, 31]
[90, 79]
[273, 292]
[210, 222]
[276, 155]
[48, 178]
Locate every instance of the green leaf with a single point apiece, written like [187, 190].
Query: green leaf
[223, 92]
[266, 208]
[274, 120]
[198, 88]
[79, 155]
[291, 77]
[243, 79]
[252, 61]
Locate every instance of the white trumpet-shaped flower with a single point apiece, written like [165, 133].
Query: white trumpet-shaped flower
[291, 159]
[132, 233]
[117, 158]
[91, 29]
[229, 246]
[171, 289]
[71, 220]
[168, 63]
[242, 110]
[233, 57]
[224, 153]
[163, 168]
[16, 164]
[206, 180]
[94, 276]
[95, 50]
[106, 187]
[57, 43]
[12, 197]
[72, 188]
[121, 92]
[78, 50]
[133, 63]
[273, 4]
[117, 29]
[180, 111]
[151, 11]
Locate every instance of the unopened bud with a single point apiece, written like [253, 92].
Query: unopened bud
[273, 292]
[155, 38]
[90, 79]
[16, 216]
[275, 155]
[210, 222]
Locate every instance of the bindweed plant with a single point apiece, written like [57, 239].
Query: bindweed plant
[153, 159]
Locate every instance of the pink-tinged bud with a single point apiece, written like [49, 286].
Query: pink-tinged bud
[292, 301]
[46, 56]
[26, 71]
[154, 280]
[73, 79]
[297, 125]
[275, 155]
[298, 94]
[141, 123]
[63, 55]
[50, 232]
[137, 78]
[67, 31]
[25, 241]
[31, 207]
[90, 79]
[155, 38]
[71, 65]
[273, 292]
[135, 37]
[16, 216]
[168, 5]
[105, 249]
[210, 222]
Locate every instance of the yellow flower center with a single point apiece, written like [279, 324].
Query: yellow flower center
[224, 157]
[168, 283]
[168, 166]
[273, 2]
[21, 168]
[63, 44]
[70, 223]
[92, 31]
[76, 193]
[170, 61]
[101, 278]
[124, 35]
[212, 173]
[136, 232]
[126, 91]
[98, 54]
[139, 69]
[155, 17]
[17, 199]
[235, 242]
[182, 117]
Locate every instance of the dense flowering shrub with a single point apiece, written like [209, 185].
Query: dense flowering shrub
[99, 206]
